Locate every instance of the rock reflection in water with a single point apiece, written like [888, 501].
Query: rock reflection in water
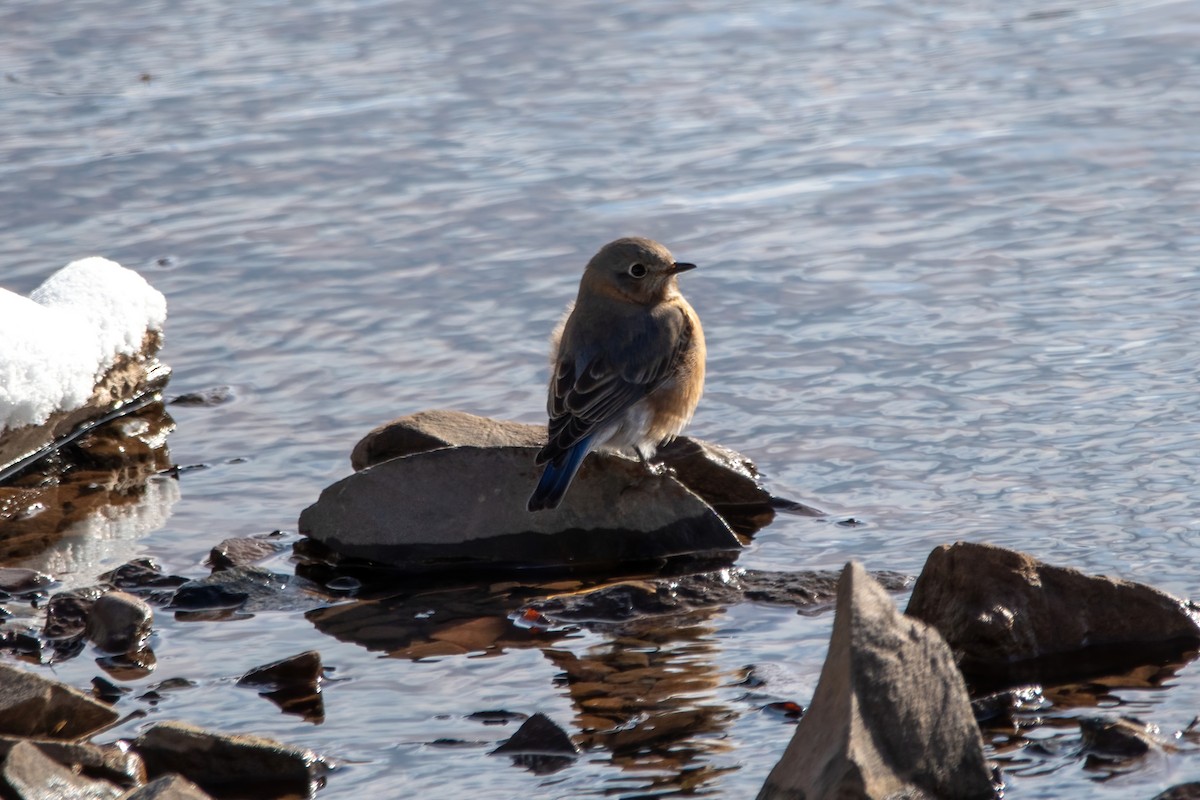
[79, 511]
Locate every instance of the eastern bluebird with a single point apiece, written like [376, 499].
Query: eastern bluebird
[626, 366]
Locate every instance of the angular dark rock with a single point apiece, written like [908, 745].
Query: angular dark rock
[1011, 618]
[303, 668]
[540, 746]
[247, 588]
[119, 622]
[1183, 791]
[29, 774]
[257, 766]
[890, 714]
[31, 705]
[144, 576]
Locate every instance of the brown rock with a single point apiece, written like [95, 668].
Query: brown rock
[31, 705]
[890, 715]
[464, 508]
[1012, 618]
[1182, 791]
[107, 762]
[167, 787]
[1119, 739]
[18, 580]
[242, 551]
[119, 622]
[257, 766]
[304, 668]
[29, 774]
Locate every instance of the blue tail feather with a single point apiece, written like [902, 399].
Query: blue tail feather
[557, 476]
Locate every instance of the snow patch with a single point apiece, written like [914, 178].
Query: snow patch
[56, 343]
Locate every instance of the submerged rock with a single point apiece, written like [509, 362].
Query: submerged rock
[293, 684]
[890, 716]
[216, 762]
[1012, 618]
[31, 705]
[243, 551]
[1118, 739]
[464, 508]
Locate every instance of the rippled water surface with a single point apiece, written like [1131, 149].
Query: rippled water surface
[950, 269]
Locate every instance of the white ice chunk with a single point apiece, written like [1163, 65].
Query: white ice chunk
[55, 344]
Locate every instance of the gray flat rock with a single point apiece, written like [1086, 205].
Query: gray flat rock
[464, 507]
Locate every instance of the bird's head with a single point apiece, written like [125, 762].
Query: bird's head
[634, 269]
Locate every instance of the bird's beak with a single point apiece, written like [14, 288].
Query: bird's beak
[680, 266]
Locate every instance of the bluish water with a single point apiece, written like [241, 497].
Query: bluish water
[949, 279]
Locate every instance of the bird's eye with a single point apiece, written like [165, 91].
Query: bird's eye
[637, 270]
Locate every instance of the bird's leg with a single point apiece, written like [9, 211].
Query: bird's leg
[651, 467]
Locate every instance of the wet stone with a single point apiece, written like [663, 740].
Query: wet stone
[303, 668]
[257, 766]
[1000, 708]
[106, 691]
[540, 746]
[131, 666]
[29, 774]
[1183, 791]
[108, 762]
[119, 622]
[18, 582]
[31, 705]
[67, 612]
[212, 396]
[23, 641]
[239, 552]
[143, 576]
[497, 717]
[247, 588]
[1118, 739]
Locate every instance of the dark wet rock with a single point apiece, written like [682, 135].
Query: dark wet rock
[30, 774]
[119, 622]
[108, 762]
[497, 717]
[22, 641]
[302, 668]
[31, 705]
[239, 552]
[540, 746]
[168, 787]
[618, 602]
[890, 714]
[247, 588]
[257, 766]
[1183, 791]
[212, 396]
[1001, 708]
[293, 684]
[106, 691]
[1118, 739]
[18, 581]
[1011, 618]
[463, 508]
[67, 612]
[726, 480]
[143, 576]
